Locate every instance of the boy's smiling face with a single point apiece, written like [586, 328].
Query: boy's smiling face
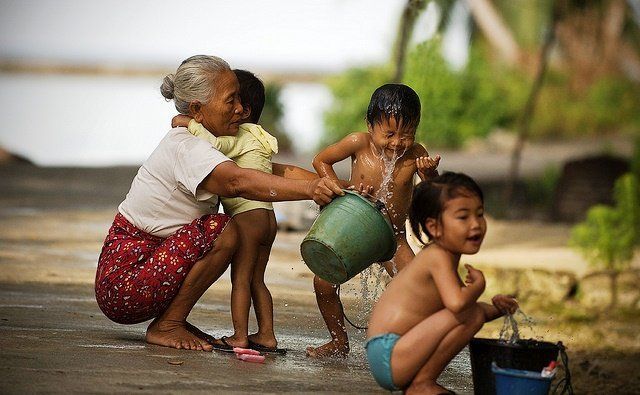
[391, 138]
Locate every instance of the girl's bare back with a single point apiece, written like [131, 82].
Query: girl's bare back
[410, 297]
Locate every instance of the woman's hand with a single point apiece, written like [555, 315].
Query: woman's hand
[506, 304]
[427, 166]
[474, 277]
[323, 190]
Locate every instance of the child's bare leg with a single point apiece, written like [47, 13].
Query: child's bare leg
[262, 301]
[422, 353]
[333, 315]
[404, 254]
[171, 328]
[448, 348]
[253, 226]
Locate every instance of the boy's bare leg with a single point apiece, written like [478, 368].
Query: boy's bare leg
[404, 254]
[253, 225]
[331, 309]
[171, 328]
[262, 301]
[422, 353]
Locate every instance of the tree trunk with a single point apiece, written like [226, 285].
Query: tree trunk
[405, 29]
[613, 288]
[527, 113]
[495, 30]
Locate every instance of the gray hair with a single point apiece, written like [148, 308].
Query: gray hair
[193, 81]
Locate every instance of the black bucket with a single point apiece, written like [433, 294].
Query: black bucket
[530, 355]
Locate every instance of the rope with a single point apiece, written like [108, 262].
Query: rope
[347, 318]
[566, 380]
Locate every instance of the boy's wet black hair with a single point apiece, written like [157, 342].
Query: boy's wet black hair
[430, 196]
[251, 93]
[394, 100]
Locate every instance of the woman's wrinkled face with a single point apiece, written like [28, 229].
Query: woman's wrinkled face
[223, 114]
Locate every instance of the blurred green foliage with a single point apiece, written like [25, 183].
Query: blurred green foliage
[272, 115]
[540, 191]
[609, 235]
[485, 95]
[608, 105]
[351, 92]
[455, 105]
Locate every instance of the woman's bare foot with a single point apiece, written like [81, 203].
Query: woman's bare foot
[170, 333]
[427, 387]
[202, 335]
[332, 349]
[264, 340]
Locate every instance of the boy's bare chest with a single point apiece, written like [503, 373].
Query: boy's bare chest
[372, 170]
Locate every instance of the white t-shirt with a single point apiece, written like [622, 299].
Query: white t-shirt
[164, 195]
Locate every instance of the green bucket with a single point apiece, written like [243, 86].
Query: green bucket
[349, 235]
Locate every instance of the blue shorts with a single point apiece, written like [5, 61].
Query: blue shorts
[379, 355]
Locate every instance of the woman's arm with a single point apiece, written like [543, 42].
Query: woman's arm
[293, 172]
[230, 180]
[348, 146]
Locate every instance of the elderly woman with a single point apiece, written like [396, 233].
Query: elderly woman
[167, 244]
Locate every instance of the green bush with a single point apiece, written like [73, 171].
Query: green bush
[458, 105]
[455, 105]
[351, 93]
[609, 235]
[272, 115]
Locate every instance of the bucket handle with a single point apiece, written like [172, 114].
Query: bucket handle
[566, 380]
[377, 203]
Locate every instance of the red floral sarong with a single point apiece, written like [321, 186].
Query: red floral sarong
[139, 274]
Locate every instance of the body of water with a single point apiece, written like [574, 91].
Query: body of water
[71, 120]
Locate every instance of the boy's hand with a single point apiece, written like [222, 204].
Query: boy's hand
[427, 166]
[505, 303]
[364, 190]
[180, 120]
[474, 276]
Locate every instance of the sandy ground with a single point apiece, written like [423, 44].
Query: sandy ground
[54, 338]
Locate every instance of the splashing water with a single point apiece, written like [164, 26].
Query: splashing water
[384, 193]
[371, 287]
[510, 332]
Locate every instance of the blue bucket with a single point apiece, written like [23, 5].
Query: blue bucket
[515, 381]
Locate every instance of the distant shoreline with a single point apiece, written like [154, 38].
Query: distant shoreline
[51, 67]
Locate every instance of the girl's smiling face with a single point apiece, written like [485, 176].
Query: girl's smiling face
[462, 225]
[390, 138]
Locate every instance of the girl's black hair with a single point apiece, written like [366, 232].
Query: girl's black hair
[394, 100]
[251, 93]
[430, 196]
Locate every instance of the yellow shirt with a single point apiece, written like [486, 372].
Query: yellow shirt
[251, 148]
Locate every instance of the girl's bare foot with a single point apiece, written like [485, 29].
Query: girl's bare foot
[332, 349]
[427, 387]
[170, 333]
[235, 342]
[264, 340]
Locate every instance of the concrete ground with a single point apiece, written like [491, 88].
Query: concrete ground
[54, 339]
